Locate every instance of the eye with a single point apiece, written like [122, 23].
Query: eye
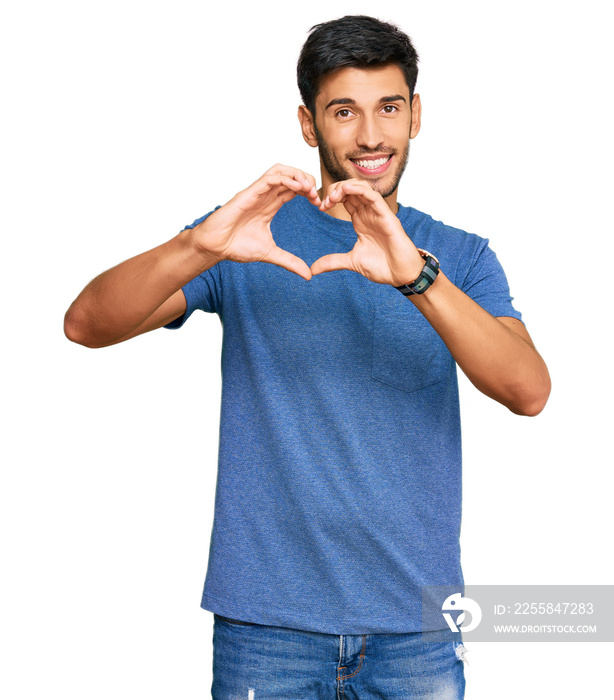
[390, 109]
[343, 113]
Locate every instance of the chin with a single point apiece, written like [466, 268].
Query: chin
[385, 190]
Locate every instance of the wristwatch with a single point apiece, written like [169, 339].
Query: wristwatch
[425, 279]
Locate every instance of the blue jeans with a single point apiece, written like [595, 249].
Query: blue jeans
[261, 662]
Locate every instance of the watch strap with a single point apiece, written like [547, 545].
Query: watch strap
[425, 279]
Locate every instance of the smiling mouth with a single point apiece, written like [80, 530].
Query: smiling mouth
[371, 164]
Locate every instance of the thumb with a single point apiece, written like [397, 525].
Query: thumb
[281, 257]
[335, 261]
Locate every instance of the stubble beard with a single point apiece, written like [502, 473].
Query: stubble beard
[337, 172]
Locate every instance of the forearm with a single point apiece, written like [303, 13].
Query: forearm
[119, 300]
[142, 293]
[499, 361]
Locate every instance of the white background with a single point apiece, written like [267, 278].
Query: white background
[124, 121]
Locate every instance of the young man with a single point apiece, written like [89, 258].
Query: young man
[339, 484]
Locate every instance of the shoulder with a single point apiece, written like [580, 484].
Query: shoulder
[418, 223]
[454, 247]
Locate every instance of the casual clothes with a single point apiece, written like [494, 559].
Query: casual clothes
[339, 481]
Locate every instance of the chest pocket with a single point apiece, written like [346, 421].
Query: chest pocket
[407, 352]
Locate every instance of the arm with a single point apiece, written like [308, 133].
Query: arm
[496, 354]
[144, 293]
[136, 296]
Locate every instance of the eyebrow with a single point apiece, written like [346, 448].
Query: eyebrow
[350, 101]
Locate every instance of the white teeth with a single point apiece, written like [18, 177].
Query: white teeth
[371, 164]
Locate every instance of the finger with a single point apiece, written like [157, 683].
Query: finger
[277, 183]
[350, 205]
[299, 175]
[281, 257]
[340, 191]
[302, 187]
[313, 196]
[360, 188]
[286, 196]
[334, 261]
[285, 170]
[281, 180]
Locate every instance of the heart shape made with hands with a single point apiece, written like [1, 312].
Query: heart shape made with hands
[240, 230]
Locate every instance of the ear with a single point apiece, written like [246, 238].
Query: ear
[307, 126]
[416, 116]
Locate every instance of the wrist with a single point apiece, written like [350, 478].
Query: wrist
[191, 242]
[425, 278]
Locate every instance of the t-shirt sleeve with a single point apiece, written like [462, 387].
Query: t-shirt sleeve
[203, 292]
[485, 281]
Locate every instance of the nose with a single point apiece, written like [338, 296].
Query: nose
[369, 133]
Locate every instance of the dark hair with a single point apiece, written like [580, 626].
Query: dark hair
[354, 41]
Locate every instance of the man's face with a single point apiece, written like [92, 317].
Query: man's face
[363, 125]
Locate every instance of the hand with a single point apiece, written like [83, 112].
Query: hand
[383, 252]
[241, 229]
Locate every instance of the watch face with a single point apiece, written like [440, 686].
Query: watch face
[425, 254]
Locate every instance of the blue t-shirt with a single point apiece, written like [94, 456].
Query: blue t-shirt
[339, 480]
